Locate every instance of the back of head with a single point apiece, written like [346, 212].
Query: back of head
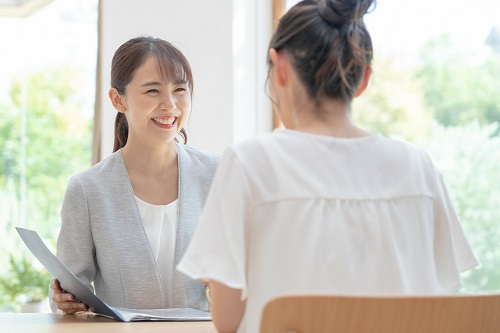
[130, 56]
[328, 45]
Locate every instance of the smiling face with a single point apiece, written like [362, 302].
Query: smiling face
[156, 106]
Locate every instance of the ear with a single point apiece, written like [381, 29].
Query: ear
[279, 69]
[364, 81]
[117, 100]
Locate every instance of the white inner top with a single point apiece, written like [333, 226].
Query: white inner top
[160, 224]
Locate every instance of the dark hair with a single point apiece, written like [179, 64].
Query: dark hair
[133, 54]
[327, 44]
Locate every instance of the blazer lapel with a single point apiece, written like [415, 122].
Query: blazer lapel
[138, 269]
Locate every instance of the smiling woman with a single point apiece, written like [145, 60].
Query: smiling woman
[160, 65]
[167, 100]
[129, 218]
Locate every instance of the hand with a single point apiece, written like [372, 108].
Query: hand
[65, 301]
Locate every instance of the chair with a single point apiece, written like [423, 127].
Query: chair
[455, 313]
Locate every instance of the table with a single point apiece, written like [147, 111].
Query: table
[59, 323]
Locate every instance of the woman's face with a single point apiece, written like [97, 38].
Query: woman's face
[155, 109]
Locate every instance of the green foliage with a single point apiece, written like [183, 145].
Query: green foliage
[57, 144]
[25, 283]
[57, 141]
[393, 102]
[468, 156]
[460, 88]
[9, 133]
[462, 94]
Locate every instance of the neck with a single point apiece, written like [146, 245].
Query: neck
[331, 118]
[149, 160]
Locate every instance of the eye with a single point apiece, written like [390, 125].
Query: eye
[181, 90]
[152, 91]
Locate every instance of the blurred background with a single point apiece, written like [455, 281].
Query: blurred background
[435, 83]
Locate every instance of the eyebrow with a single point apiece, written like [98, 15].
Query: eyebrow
[147, 84]
[156, 83]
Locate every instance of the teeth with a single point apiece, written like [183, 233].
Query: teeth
[165, 121]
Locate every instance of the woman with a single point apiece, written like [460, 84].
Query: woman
[127, 220]
[323, 205]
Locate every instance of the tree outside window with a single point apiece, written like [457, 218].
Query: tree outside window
[47, 87]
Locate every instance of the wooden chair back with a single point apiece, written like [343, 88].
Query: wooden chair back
[396, 314]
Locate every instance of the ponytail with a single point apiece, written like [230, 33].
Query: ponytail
[121, 131]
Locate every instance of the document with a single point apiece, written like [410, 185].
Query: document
[70, 283]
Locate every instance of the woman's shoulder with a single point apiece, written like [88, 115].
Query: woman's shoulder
[103, 168]
[110, 174]
[410, 148]
[258, 142]
[412, 157]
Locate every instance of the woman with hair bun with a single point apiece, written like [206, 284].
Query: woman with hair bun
[322, 205]
[127, 220]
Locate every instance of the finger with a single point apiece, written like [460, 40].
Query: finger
[73, 310]
[63, 297]
[56, 296]
[71, 307]
[56, 286]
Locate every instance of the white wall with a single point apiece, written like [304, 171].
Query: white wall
[224, 40]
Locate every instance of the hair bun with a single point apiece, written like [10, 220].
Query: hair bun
[340, 12]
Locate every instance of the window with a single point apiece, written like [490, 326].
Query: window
[47, 92]
[435, 82]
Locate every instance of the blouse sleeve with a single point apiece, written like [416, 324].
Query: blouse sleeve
[452, 252]
[217, 249]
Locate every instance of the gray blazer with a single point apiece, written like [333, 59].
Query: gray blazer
[103, 242]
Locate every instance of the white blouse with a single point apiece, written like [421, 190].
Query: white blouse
[297, 212]
[160, 224]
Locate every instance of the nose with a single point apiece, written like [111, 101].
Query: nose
[168, 103]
